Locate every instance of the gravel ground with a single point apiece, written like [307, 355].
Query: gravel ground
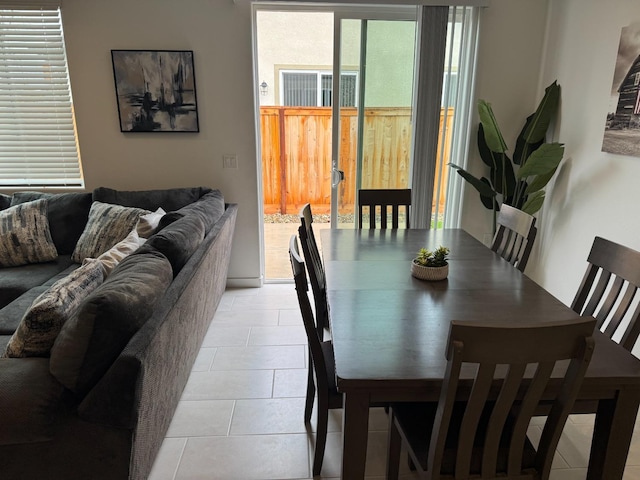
[293, 218]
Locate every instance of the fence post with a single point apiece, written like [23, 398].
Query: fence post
[283, 165]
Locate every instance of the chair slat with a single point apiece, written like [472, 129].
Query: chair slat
[621, 311]
[525, 412]
[471, 418]
[499, 417]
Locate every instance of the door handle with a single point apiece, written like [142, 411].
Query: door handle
[337, 176]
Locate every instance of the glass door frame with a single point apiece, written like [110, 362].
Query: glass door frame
[391, 13]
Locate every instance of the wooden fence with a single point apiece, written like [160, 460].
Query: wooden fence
[296, 155]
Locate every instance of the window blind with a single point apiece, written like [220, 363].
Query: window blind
[38, 144]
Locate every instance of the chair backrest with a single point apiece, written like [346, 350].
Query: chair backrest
[617, 267]
[514, 238]
[522, 348]
[314, 267]
[384, 198]
[310, 327]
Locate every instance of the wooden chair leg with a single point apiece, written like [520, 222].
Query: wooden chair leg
[393, 450]
[321, 434]
[311, 393]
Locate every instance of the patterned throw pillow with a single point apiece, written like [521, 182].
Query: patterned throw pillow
[25, 236]
[41, 324]
[107, 225]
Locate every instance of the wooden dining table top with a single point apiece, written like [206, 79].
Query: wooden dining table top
[389, 329]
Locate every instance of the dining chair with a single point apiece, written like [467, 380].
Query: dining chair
[321, 359]
[503, 372]
[608, 289]
[315, 268]
[514, 238]
[384, 198]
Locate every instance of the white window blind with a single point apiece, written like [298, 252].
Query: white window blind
[38, 144]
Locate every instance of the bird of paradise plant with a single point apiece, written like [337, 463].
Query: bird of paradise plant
[518, 181]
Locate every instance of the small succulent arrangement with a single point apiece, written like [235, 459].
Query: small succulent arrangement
[435, 258]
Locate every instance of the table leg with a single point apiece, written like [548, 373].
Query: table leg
[355, 429]
[612, 434]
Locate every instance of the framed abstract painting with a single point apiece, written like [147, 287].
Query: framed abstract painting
[155, 90]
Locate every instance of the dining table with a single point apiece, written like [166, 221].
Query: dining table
[389, 332]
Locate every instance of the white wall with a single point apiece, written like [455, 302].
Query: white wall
[219, 33]
[510, 51]
[595, 193]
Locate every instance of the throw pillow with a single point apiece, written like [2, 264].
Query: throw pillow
[67, 214]
[209, 208]
[111, 258]
[41, 324]
[96, 333]
[148, 223]
[5, 201]
[25, 236]
[107, 225]
[178, 241]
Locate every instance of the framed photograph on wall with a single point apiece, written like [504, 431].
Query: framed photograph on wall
[155, 90]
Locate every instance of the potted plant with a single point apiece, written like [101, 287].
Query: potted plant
[518, 181]
[431, 265]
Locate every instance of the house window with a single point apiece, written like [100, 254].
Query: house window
[315, 88]
[38, 145]
[636, 79]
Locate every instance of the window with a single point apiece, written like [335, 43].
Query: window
[38, 144]
[315, 88]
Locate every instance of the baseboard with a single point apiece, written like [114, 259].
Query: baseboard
[255, 282]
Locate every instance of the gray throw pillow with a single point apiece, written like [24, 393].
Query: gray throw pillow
[41, 324]
[5, 201]
[177, 241]
[209, 208]
[24, 235]
[101, 327]
[107, 225]
[67, 214]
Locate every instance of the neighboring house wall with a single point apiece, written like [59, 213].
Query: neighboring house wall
[220, 35]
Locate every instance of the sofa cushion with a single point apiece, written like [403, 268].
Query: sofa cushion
[11, 314]
[112, 257]
[147, 224]
[14, 281]
[24, 235]
[5, 201]
[168, 199]
[209, 208]
[178, 241]
[42, 322]
[97, 332]
[30, 398]
[67, 214]
[107, 225]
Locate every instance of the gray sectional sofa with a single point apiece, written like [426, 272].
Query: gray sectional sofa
[98, 404]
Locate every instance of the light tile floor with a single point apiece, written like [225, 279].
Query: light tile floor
[241, 414]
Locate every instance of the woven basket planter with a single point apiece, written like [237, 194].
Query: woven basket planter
[429, 273]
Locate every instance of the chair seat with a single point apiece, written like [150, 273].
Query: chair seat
[416, 421]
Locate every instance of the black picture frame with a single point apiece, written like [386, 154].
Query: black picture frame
[155, 90]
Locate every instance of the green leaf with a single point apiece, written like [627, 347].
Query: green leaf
[542, 161]
[524, 149]
[545, 112]
[539, 182]
[482, 187]
[485, 153]
[534, 202]
[503, 177]
[489, 202]
[492, 133]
